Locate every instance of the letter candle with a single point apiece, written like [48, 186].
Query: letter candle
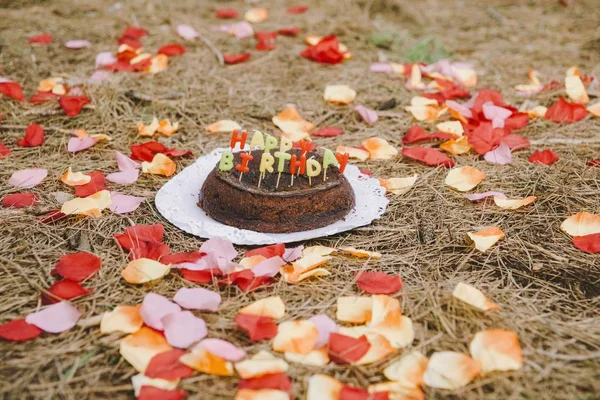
[238, 139]
[305, 146]
[343, 160]
[266, 164]
[313, 168]
[226, 162]
[281, 157]
[328, 159]
[257, 141]
[270, 143]
[243, 166]
[296, 165]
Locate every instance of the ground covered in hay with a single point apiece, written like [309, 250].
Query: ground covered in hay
[548, 290]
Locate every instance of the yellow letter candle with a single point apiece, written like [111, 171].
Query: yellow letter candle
[270, 143]
[257, 140]
[285, 144]
[313, 168]
[328, 159]
[266, 165]
[226, 162]
[281, 157]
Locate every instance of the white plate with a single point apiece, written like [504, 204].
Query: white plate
[177, 202]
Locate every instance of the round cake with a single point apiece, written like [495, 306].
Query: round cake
[290, 206]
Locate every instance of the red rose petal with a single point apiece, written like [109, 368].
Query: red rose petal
[428, 156]
[547, 157]
[64, 290]
[77, 266]
[367, 172]
[12, 89]
[137, 234]
[153, 251]
[591, 163]
[345, 349]
[154, 393]
[73, 104]
[295, 31]
[94, 186]
[146, 151]
[235, 58]
[267, 251]
[416, 134]
[258, 328]
[245, 280]
[131, 43]
[354, 393]
[121, 65]
[34, 136]
[516, 142]
[588, 243]
[175, 153]
[325, 51]
[227, 13]
[134, 32]
[178, 258]
[202, 277]
[565, 112]
[51, 216]
[167, 366]
[297, 10]
[517, 120]
[42, 97]
[43, 38]
[19, 200]
[328, 131]
[173, 49]
[485, 95]
[18, 330]
[379, 283]
[278, 381]
[4, 151]
[484, 138]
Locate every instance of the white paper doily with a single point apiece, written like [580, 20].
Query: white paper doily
[177, 202]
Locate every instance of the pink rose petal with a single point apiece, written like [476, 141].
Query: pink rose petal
[381, 67]
[75, 144]
[124, 177]
[154, 308]
[99, 76]
[198, 299]
[240, 30]
[57, 318]
[105, 58]
[500, 155]
[28, 178]
[4, 79]
[325, 326]
[223, 349]
[368, 115]
[221, 248]
[292, 254]
[481, 196]
[124, 163]
[496, 114]
[269, 267]
[182, 329]
[459, 108]
[122, 203]
[187, 32]
[77, 44]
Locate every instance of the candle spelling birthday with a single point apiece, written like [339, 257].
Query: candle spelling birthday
[275, 155]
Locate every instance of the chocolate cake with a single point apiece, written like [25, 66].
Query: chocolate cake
[276, 208]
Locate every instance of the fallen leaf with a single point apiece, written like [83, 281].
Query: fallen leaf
[374, 282]
[473, 297]
[450, 370]
[144, 270]
[56, 318]
[28, 178]
[464, 179]
[496, 350]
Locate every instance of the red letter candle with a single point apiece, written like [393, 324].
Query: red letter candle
[243, 166]
[343, 160]
[296, 165]
[238, 139]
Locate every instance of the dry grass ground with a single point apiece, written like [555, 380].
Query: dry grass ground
[549, 291]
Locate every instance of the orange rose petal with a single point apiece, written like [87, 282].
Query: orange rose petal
[466, 76]
[354, 309]
[305, 267]
[497, 350]
[398, 185]
[380, 349]
[202, 360]
[272, 307]
[464, 179]
[75, 178]
[353, 152]
[291, 277]
[537, 112]
[147, 130]
[379, 149]
[101, 137]
[576, 90]
[90, 206]
[387, 320]
[138, 348]
[81, 133]
[47, 85]
[339, 94]
[450, 370]
[473, 297]
[594, 109]
[126, 319]
[158, 64]
[290, 122]
[323, 387]
[317, 357]
[261, 363]
[362, 253]
[256, 15]
[312, 39]
[425, 109]
[452, 127]
[318, 250]
[513, 204]
[250, 262]
[223, 126]
[415, 81]
[533, 86]
[139, 380]
[144, 270]
[298, 337]
[581, 224]
[160, 165]
[167, 129]
[486, 238]
[397, 391]
[261, 394]
[409, 370]
[456, 146]
[139, 58]
[296, 136]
